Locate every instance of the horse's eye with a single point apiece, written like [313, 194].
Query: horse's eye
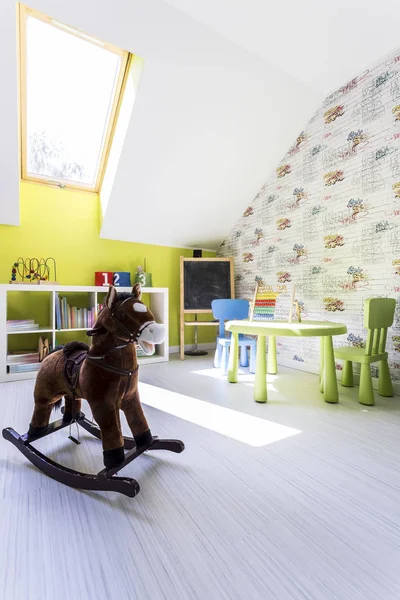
[139, 307]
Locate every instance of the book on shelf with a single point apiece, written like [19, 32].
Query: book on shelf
[58, 312]
[23, 368]
[21, 324]
[71, 317]
[22, 357]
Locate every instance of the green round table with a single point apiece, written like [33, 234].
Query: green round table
[262, 329]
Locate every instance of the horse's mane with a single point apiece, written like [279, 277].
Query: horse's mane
[124, 296]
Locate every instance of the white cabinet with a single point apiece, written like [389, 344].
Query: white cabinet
[89, 296]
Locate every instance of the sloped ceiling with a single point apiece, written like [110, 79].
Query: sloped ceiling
[226, 87]
[320, 43]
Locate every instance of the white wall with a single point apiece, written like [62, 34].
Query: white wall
[195, 150]
[122, 126]
[9, 167]
[209, 119]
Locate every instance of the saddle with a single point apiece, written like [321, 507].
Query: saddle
[74, 354]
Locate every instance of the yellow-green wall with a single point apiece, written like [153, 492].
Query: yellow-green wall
[65, 224]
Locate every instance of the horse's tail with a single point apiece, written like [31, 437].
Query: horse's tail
[57, 405]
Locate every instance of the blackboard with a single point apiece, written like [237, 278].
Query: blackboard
[205, 281]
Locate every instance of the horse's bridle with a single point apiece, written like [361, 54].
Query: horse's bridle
[132, 338]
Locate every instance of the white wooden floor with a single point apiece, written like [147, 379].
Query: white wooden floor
[314, 515]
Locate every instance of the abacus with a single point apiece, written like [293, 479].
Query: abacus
[264, 303]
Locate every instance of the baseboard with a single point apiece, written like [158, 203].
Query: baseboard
[308, 369]
[205, 346]
[291, 365]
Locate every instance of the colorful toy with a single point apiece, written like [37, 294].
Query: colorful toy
[103, 278]
[122, 279]
[263, 307]
[142, 277]
[34, 270]
[264, 303]
[106, 375]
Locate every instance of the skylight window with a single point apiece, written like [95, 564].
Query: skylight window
[71, 88]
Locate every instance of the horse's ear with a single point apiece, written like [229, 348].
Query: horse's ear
[137, 291]
[111, 296]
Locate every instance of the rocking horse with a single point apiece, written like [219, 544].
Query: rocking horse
[106, 375]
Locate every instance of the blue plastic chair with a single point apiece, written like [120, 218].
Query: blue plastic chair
[227, 310]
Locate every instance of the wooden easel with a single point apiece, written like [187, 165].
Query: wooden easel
[184, 311]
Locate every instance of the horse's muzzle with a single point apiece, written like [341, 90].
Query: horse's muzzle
[153, 333]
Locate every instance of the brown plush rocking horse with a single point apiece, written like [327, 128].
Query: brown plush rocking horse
[106, 375]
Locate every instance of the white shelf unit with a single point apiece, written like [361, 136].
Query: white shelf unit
[158, 304]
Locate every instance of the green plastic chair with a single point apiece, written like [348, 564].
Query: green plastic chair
[378, 316]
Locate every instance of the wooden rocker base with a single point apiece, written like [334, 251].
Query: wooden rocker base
[105, 480]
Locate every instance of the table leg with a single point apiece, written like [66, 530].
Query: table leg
[321, 364]
[271, 362]
[260, 383]
[330, 382]
[233, 359]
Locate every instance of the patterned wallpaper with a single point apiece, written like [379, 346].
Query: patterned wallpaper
[328, 218]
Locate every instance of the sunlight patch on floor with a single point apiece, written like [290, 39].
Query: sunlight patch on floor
[231, 423]
[216, 374]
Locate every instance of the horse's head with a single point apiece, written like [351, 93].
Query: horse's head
[129, 319]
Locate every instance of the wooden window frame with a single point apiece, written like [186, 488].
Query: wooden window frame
[23, 13]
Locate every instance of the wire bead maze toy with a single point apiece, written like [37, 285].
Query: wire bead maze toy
[34, 271]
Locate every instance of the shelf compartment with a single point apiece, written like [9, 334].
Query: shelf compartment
[39, 308]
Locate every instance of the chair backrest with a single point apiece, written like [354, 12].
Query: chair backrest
[229, 309]
[378, 316]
